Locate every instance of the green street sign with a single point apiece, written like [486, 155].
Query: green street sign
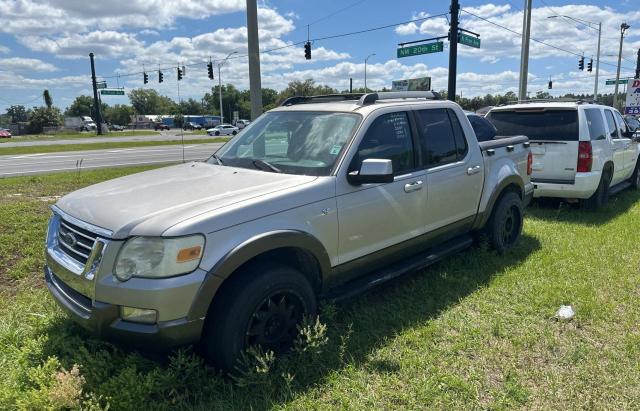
[467, 40]
[420, 49]
[612, 81]
[107, 92]
[101, 84]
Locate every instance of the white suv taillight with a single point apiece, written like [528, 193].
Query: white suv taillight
[585, 157]
[529, 164]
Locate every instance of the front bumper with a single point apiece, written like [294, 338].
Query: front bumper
[104, 320]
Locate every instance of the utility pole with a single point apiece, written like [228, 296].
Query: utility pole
[638, 65]
[255, 86]
[524, 51]
[595, 88]
[365, 71]
[453, 50]
[350, 85]
[220, 84]
[96, 102]
[623, 28]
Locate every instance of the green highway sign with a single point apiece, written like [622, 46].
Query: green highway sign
[112, 92]
[468, 40]
[101, 84]
[420, 49]
[612, 81]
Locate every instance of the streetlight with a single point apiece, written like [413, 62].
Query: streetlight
[590, 25]
[220, 83]
[365, 70]
[623, 28]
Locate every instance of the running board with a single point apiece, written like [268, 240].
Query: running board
[619, 187]
[417, 262]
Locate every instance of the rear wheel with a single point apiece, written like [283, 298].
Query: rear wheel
[601, 196]
[505, 225]
[217, 133]
[635, 177]
[234, 132]
[262, 305]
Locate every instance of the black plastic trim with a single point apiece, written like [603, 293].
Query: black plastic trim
[552, 181]
[502, 142]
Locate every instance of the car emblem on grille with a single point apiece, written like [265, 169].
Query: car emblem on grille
[69, 239]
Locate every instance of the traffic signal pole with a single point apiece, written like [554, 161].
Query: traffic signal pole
[96, 102]
[524, 51]
[453, 50]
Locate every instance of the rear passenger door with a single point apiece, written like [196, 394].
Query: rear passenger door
[619, 147]
[629, 148]
[455, 172]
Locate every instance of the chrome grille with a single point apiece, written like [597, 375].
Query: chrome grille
[75, 241]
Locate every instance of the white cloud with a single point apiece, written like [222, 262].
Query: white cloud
[4, 49]
[488, 10]
[103, 44]
[26, 64]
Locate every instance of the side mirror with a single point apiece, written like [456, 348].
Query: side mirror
[372, 171]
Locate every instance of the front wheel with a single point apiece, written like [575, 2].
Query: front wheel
[262, 305]
[635, 177]
[505, 225]
[234, 132]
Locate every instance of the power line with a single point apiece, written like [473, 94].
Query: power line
[336, 12]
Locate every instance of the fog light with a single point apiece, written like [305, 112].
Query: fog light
[138, 315]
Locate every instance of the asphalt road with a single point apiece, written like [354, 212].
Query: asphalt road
[163, 136]
[27, 164]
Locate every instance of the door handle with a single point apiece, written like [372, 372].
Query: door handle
[414, 186]
[473, 170]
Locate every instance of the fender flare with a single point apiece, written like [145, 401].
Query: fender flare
[512, 179]
[249, 249]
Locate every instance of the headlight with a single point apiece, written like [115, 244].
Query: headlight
[157, 257]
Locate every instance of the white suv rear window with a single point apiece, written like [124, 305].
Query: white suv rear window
[537, 124]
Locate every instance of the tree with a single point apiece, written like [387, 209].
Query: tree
[81, 106]
[304, 88]
[48, 101]
[118, 114]
[18, 114]
[190, 106]
[148, 101]
[43, 117]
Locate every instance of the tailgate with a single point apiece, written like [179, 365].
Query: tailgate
[554, 160]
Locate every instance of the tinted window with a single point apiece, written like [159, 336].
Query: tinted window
[537, 124]
[611, 124]
[622, 126]
[458, 134]
[388, 137]
[438, 138]
[483, 128]
[597, 130]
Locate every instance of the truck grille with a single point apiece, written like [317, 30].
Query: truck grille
[75, 241]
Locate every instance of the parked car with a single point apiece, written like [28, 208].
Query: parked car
[161, 126]
[241, 123]
[223, 130]
[633, 123]
[580, 150]
[485, 131]
[116, 127]
[89, 126]
[191, 126]
[319, 198]
[5, 133]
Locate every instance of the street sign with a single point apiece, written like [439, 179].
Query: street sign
[412, 84]
[612, 81]
[632, 106]
[468, 40]
[101, 84]
[421, 49]
[111, 92]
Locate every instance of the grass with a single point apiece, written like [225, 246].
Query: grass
[475, 331]
[102, 146]
[73, 135]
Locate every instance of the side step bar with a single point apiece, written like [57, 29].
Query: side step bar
[619, 187]
[417, 262]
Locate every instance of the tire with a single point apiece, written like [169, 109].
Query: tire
[505, 225]
[635, 177]
[217, 133]
[261, 305]
[234, 132]
[601, 196]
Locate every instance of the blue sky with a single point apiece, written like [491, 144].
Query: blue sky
[45, 44]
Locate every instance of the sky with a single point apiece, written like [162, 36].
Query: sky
[44, 44]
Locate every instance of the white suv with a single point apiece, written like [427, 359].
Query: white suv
[580, 150]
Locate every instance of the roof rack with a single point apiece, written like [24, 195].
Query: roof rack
[551, 100]
[363, 99]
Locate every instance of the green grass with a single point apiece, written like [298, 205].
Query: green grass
[475, 331]
[74, 135]
[102, 146]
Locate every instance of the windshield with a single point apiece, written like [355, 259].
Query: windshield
[292, 142]
[559, 125]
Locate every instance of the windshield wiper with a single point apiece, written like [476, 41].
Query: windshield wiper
[263, 165]
[217, 159]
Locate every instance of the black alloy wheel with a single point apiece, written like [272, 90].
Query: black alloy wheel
[274, 323]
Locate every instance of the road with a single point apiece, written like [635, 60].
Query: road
[28, 164]
[163, 136]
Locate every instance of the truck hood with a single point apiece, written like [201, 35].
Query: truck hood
[150, 202]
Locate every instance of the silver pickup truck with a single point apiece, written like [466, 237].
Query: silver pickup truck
[321, 197]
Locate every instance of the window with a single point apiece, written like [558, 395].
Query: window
[597, 130]
[388, 137]
[537, 123]
[613, 129]
[622, 126]
[485, 131]
[442, 140]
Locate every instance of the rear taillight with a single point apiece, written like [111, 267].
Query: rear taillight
[585, 157]
[529, 163]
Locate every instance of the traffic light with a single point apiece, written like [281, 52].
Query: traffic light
[581, 63]
[145, 78]
[160, 77]
[307, 50]
[590, 65]
[210, 70]
[179, 74]
[550, 85]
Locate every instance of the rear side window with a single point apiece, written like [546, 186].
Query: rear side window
[485, 131]
[597, 130]
[622, 126]
[442, 140]
[555, 125]
[611, 124]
